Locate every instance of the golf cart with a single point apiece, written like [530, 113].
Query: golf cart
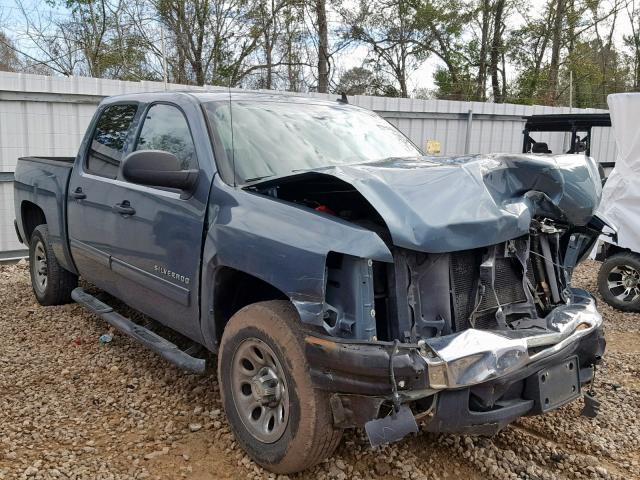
[579, 125]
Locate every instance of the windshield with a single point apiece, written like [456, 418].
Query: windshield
[275, 138]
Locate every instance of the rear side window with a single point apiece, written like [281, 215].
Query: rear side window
[166, 128]
[107, 144]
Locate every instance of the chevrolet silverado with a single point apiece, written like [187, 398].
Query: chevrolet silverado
[342, 278]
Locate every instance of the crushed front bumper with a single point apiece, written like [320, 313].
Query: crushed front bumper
[475, 356]
[453, 369]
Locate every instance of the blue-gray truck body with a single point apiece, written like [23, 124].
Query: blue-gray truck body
[464, 262]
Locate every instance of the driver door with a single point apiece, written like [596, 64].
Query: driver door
[159, 234]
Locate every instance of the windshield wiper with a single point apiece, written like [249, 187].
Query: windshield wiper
[255, 179]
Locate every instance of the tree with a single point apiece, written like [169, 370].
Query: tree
[280, 54]
[559, 16]
[293, 43]
[442, 25]
[632, 43]
[199, 32]
[9, 61]
[388, 28]
[529, 48]
[91, 40]
[300, 45]
[226, 42]
[485, 10]
[497, 53]
[462, 86]
[268, 19]
[362, 81]
[591, 82]
[323, 46]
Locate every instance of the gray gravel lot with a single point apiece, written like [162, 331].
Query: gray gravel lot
[73, 408]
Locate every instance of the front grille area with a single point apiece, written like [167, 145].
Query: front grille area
[481, 288]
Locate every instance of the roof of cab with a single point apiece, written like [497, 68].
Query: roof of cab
[219, 95]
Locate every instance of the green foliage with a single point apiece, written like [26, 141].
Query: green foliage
[362, 81]
[496, 50]
[389, 30]
[597, 71]
[463, 87]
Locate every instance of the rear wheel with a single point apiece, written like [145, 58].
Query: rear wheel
[52, 284]
[278, 418]
[619, 281]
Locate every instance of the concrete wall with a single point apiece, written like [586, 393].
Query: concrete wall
[47, 116]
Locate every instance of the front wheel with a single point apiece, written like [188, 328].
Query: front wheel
[619, 281]
[278, 418]
[52, 284]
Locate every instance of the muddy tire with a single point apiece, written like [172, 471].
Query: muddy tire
[278, 418]
[619, 281]
[52, 284]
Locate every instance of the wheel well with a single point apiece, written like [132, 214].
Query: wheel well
[32, 216]
[610, 249]
[234, 290]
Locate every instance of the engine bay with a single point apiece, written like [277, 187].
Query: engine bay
[506, 286]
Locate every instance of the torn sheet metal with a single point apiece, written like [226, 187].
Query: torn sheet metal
[621, 194]
[281, 244]
[475, 356]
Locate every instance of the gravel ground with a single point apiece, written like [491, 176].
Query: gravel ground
[71, 407]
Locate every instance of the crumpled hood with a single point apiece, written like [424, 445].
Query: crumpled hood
[446, 204]
[436, 204]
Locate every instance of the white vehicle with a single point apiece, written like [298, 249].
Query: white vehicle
[619, 277]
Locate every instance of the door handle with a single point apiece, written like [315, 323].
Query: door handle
[78, 194]
[124, 208]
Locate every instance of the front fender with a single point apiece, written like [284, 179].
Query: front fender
[284, 245]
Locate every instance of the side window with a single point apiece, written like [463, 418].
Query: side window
[107, 145]
[165, 128]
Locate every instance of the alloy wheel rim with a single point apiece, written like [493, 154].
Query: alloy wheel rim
[260, 390]
[623, 282]
[40, 269]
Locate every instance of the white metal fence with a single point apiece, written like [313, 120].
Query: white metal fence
[47, 116]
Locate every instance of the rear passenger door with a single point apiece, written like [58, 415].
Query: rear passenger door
[158, 245]
[91, 222]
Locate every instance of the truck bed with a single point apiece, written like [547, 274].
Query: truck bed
[40, 184]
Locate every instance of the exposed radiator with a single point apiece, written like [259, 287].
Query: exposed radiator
[465, 279]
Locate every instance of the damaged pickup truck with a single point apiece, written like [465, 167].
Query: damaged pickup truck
[343, 278]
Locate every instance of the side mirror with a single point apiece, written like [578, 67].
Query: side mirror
[157, 168]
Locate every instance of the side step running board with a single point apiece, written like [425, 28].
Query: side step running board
[149, 339]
